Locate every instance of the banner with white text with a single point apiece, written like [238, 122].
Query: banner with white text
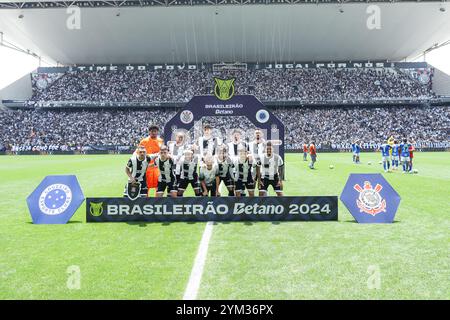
[191, 209]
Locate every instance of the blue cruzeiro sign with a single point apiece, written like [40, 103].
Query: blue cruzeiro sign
[55, 200]
[370, 198]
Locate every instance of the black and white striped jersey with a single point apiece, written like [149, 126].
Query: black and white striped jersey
[138, 167]
[256, 149]
[224, 167]
[233, 148]
[243, 170]
[177, 152]
[208, 175]
[166, 170]
[270, 166]
[188, 168]
[207, 145]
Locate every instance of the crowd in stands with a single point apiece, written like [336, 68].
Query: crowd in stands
[63, 129]
[304, 85]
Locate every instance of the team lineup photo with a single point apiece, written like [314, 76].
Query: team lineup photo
[235, 158]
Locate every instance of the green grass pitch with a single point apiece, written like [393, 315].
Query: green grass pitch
[292, 260]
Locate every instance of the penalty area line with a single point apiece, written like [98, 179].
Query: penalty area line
[199, 263]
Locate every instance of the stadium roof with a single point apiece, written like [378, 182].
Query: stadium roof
[178, 31]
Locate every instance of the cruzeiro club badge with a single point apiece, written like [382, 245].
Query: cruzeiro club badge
[369, 200]
[96, 209]
[224, 89]
[55, 199]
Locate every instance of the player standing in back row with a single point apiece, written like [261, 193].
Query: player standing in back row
[152, 145]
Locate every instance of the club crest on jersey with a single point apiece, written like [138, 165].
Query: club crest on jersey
[224, 89]
[133, 190]
[370, 200]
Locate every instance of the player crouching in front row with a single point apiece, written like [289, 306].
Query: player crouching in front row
[269, 173]
[224, 171]
[208, 174]
[166, 178]
[188, 164]
[136, 168]
[242, 173]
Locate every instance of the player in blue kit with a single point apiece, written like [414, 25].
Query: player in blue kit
[404, 155]
[385, 156]
[356, 149]
[395, 157]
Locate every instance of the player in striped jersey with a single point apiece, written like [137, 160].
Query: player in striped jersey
[243, 177]
[207, 144]
[166, 178]
[269, 172]
[135, 170]
[256, 147]
[176, 150]
[224, 170]
[208, 174]
[236, 142]
[188, 172]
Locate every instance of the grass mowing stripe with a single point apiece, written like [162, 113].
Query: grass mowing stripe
[197, 270]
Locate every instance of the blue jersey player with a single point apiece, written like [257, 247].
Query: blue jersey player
[385, 156]
[356, 149]
[395, 155]
[404, 155]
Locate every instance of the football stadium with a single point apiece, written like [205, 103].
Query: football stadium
[225, 150]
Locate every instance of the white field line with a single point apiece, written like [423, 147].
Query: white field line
[199, 263]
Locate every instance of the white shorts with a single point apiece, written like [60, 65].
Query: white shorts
[395, 158]
[403, 159]
[385, 158]
[356, 153]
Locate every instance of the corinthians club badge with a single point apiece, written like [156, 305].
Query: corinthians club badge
[133, 190]
[370, 200]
